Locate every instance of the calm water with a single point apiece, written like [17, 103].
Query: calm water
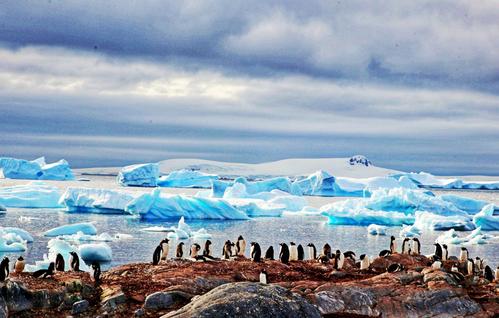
[266, 231]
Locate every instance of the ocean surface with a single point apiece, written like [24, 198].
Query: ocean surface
[265, 231]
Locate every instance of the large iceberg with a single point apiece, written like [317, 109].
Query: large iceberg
[68, 229]
[363, 216]
[96, 200]
[158, 205]
[187, 179]
[35, 194]
[431, 221]
[37, 169]
[100, 252]
[319, 183]
[140, 175]
[469, 205]
[425, 179]
[486, 219]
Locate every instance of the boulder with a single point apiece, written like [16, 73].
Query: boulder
[164, 300]
[352, 300]
[247, 300]
[80, 307]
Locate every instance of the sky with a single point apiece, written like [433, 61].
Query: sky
[413, 85]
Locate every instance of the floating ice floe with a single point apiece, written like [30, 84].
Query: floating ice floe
[375, 229]
[187, 179]
[100, 252]
[157, 205]
[183, 231]
[140, 175]
[36, 170]
[69, 229]
[436, 222]
[96, 200]
[474, 238]
[363, 216]
[35, 194]
[428, 180]
[409, 231]
[24, 235]
[486, 219]
[81, 237]
[157, 229]
[57, 246]
[8, 246]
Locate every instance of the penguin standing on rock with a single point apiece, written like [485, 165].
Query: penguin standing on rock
[4, 269]
[326, 250]
[59, 263]
[227, 250]
[284, 253]
[165, 248]
[44, 273]
[293, 252]
[488, 273]
[350, 255]
[19, 265]
[406, 246]
[74, 262]
[240, 246]
[156, 256]
[393, 245]
[438, 252]
[195, 248]
[470, 267]
[255, 252]
[207, 249]
[463, 255]
[96, 271]
[417, 246]
[179, 253]
[264, 277]
[301, 252]
[312, 252]
[339, 259]
[269, 254]
[445, 252]
[364, 262]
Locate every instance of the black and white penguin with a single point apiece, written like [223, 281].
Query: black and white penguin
[438, 251]
[323, 259]
[96, 271]
[417, 246]
[4, 269]
[44, 273]
[240, 246]
[463, 255]
[364, 262]
[301, 252]
[339, 260]
[59, 263]
[393, 245]
[395, 267]
[293, 252]
[445, 252]
[227, 250]
[479, 263]
[264, 277]
[156, 255]
[312, 251]
[284, 253]
[326, 250]
[19, 265]
[385, 253]
[470, 267]
[207, 249]
[179, 253]
[255, 252]
[165, 248]
[74, 262]
[406, 246]
[269, 254]
[349, 254]
[487, 273]
[233, 249]
[194, 251]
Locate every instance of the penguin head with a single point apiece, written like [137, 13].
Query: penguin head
[181, 244]
[464, 249]
[51, 266]
[240, 238]
[165, 240]
[208, 242]
[362, 256]
[292, 243]
[95, 264]
[6, 260]
[406, 239]
[444, 246]
[310, 245]
[197, 246]
[20, 258]
[263, 271]
[392, 238]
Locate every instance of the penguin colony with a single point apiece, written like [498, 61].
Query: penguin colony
[462, 265]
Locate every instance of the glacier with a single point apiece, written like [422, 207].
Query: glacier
[13, 168]
[187, 179]
[140, 175]
[96, 200]
[35, 194]
[157, 205]
[100, 252]
[425, 179]
[486, 219]
[375, 229]
[68, 229]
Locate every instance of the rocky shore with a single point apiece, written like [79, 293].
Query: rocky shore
[181, 288]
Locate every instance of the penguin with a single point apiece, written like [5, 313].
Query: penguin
[395, 267]
[385, 253]
[406, 246]
[293, 252]
[436, 265]
[4, 269]
[463, 255]
[96, 271]
[323, 259]
[479, 263]
[226, 252]
[445, 252]
[438, 251]
[165, 248]
[488, 274]
[301, 252]
[417, 246]
[240, 246]
[326, 250]
[45, 272]
[364, 262]
[339, 260]
[207, 249]
[195, 248]
[350, 255]
[255, 252]
[312, 251]
[264, 277]
[233, 249]
[59, 263]
[470, 267]
[269, 254]
[156, 256]
[179, 253]
[74, 262]
[284, 253]
[393, 245]
[19, 265]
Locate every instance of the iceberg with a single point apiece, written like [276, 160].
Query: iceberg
[157, 206]
[24, 235]
[409, 231]
[474, 238]
[7, 246]
[427, 220]
[81, 237]
[486, 219]
[187, 179]
[375, 229]
[85, 228]
[425, 179]
[100, 252]
[35, 194]
[140, 175]
[3, 209]
[183, 231]
[218, 188]
[360, 160]
[96, 200]
[36, 170]
[158, 229]
[253, 187]
[319, 183]
[471, 206]
[56, 246]
[257, 207]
